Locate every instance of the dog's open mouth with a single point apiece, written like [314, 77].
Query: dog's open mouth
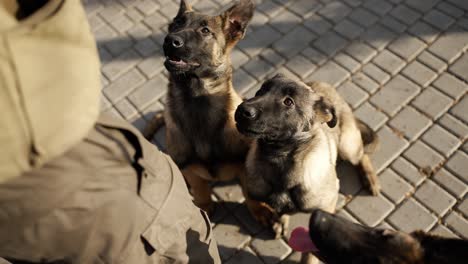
[179, 63]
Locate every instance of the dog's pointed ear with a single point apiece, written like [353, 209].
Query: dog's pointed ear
[237, 18]
[184, 7]
[325, 112]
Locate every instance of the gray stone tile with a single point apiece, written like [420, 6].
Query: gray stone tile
[405, 14]
[230, 237]
[255, 42]
[419, 73]
[303, 7]
[394, 186]
[300, 66]
[120, 65]
[350, 179]
[454, 125]
[458, 165]
[450, 85]
[410, 123]
[460, 4]
[314, 55]
[258, 68]
[376, 73]
[335, 11]
[432, 62]
[347, 62]
[285, 21]
[126, 109]
[422, 5]
[371, 116]
[407, 47]
[242, 81]
[293, 42]
[148, 93]
[245, 255]
[330, 43]
[156, 21]
[111, 12]
[152, 65]
[346, 215]
[380, 7]
[370, 210]
[393, 24]
[460, 110]
[378, 36]
[146, 47]
[424, 31]
[438, 19]
[408, 171]
[458, 224]
[450, 9]
[432, 102]
[425, 158]
[463, 207]
[441, 140]
[435, 198]
[272, 57]
[361, 52]
[451, 183]
[441, 230]
[270, 8]
[297, 220]
[391, 147]
[352, 94]
[330, 73]
[317, 24]
[390, 62]
[394, 94]
[404, 217]
[365, 82]
[123, 85]
[146, 6]
[450, 45]
[349, 29]
[271, 251]
[238, 58]
[229, 192]
[363, 17]
[460, 68]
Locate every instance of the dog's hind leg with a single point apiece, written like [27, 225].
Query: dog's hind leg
[372, 181]
[197, 176]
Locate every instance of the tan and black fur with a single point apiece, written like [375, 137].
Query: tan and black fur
[341, 241]
[201, 136]
[299, 130]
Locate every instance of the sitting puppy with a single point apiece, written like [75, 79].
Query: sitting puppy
[299, 129]
[336, 240]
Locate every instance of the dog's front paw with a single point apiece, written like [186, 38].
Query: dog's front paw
[280, 226]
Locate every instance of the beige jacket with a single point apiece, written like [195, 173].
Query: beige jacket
[49, 84]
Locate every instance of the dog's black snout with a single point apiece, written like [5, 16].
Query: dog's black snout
[175, 41]
[249, 112]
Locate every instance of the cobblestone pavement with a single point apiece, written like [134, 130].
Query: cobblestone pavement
[401, 65]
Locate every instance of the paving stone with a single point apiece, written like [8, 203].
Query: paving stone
[408, 171]
[460, 110]
[365, 82]
[111, 12]
[380, 7]
[330, 43]
[432, 102]
[450, 85]
[133, 14]
[451, 183]
[270, 8]
[390, 62]
[370, 210]
[317, 24]
[293, 42]
[242, 81]
[458, 224]
[455, 126]
[350, 179]
[245, 255]
[349, 29]
[407, 47]
[123, 85]
[272, 57]
[393, 186]
[156, 21]
[410, 122]
[302, 7]
[463, 207]
[314, 55]
[152, 65]
[376, 73]
[146, 47]
[394, 94]
[238, 58]
[301, 66]
[404, 217]
[120, 65]
[139, 31]
[352, 94]
[378, 36]
[363, 17]
[458, 164]
[424, 32]
[450, 45]
[438, 19]
[405, 14]
[425, 158]
[419, 73]
[347, 62]
[422, 5]
[148, 93]
[460, 3]
[441, 230]
[122, 23]
[126, 109]
[392, 145]
[393, 24]
[104, 34]
[335, 11]
[104, 103]
[169, 9]
[146, 6]
[285, 21]
[361, 52]
[149, 112]
[229, 192]
[371, 116]
[441, 140]
[450, 9]
[330, 73]
[230, 237]
[104, 55]
[460, 68]
[271, 250]
[432, 62]
[258, 68]
[435, 198]
[346, 215]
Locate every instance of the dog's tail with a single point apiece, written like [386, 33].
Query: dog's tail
[369, 137]
[154, 125]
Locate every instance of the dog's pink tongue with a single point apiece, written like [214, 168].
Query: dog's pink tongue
[300, 240]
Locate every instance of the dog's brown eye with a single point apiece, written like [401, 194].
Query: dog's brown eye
[205, 30]
[288, 102]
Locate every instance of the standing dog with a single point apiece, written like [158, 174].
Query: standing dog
[336, 240]
[299, 130]
[201, 136]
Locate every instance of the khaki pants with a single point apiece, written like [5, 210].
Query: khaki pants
[112, 198]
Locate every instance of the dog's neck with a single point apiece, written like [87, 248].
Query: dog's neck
[443, 250]
[284, 148]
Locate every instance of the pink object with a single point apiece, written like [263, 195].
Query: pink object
[300, 240]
